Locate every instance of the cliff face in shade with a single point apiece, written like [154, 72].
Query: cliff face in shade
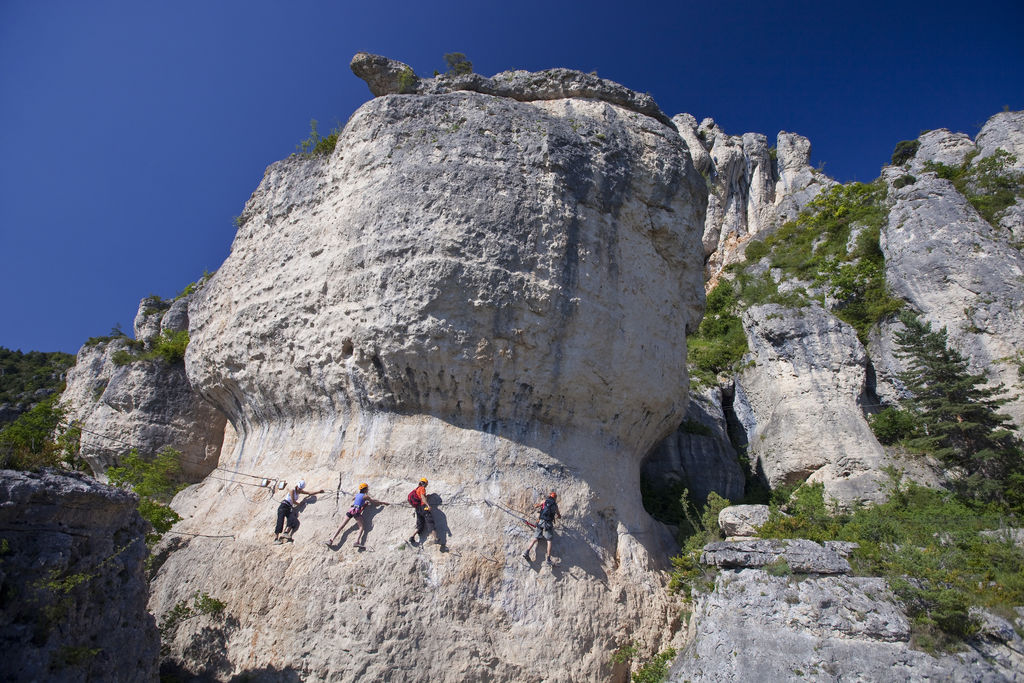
[73, 590]
[490, 291]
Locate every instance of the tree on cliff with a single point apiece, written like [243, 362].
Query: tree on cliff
[958, 417]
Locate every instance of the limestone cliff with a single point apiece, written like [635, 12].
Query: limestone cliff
[121, 402]
[72, 588]
[487, 287]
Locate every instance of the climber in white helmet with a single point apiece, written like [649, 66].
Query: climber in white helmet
[289, 509]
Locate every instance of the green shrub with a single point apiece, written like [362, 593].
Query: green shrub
[41, 438]
[315, 144]
[926, 543]
[756, 250]
[893, 425]
[903, 181]
[905, 151]
[699, 528]
[457, 63]
[198, 603]
[407, 81]
[155, 481]
[170, 347]
[656, 670]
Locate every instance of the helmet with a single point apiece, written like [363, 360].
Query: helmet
[553, 495]
[302, 483]
[363, 487]
[424, 481]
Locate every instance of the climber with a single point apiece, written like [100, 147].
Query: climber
[545, 524]
[289, 508]
[424, 517]
[355, 512]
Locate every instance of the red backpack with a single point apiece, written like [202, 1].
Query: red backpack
[414, 499]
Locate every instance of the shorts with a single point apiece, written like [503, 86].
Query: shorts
[354, 512]
[545, 530]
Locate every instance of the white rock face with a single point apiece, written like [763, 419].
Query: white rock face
[749, 191]
[489, 292]
[801, 403]
[1004, 131]
[827, 628]
[942, 147]
[959, 273]
[146, 405]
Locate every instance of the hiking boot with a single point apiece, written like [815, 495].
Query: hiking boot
[412, 540]
[278, 541]
[548, 560]
[329, 543]
[526, 556]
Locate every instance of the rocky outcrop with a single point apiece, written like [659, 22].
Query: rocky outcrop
[390, 77]
[142, 404]
[699, 452]
[752, 188]
[822, 628]
[800, 403]
[1003, 131]
[960, 273]
[73, 595]
[488, 291]
[941, 147]
[798, 555]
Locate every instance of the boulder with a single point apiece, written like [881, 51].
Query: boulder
[489, 291]
[941, 147]
[72, 576]
[1003, 131]
[742, 520]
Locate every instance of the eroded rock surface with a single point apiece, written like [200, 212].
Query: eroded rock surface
[827, 628]
[488, 291]
[800, 403]
[146, 404]
[960, 273]
[752, 188]
[72, 581]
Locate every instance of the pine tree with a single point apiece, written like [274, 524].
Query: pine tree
[959, 418]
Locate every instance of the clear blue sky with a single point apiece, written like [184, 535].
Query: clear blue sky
[132, 132]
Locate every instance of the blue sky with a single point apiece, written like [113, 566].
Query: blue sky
[132, 132]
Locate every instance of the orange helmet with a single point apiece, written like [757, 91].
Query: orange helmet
[363, 487]
[424, 481]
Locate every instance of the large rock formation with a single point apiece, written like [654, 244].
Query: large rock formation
[958, 272]
[143, 404]
[492, 291]
[751, 188]
[799, 403]
[72, 588]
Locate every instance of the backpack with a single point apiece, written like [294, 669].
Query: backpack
[414, 499]
[547, 513]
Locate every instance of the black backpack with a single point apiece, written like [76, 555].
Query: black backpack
[547, 513]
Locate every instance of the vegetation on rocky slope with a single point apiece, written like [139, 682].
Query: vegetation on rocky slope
[25, 378]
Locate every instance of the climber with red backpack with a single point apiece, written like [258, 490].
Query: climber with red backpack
[424, 517]
[355, 512]
[545, 524]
